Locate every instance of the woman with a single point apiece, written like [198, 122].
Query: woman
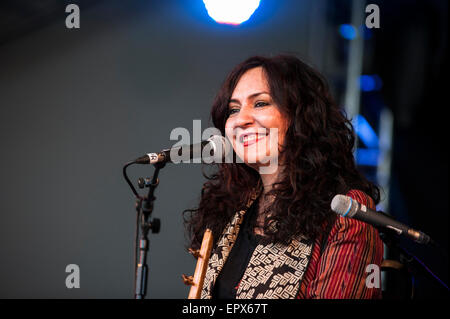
[274, 233]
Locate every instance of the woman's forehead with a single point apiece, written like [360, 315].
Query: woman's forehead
[251, 82]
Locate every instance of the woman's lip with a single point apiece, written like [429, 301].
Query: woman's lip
[260, 137]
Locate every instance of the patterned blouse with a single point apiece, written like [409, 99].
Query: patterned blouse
[332, 267]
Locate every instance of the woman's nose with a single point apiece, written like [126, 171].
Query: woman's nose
[245, 116]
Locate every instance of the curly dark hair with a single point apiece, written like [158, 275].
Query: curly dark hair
[318, 153]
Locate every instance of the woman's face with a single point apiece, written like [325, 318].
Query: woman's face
[255, 126]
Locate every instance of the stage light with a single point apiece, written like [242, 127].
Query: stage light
[367, 157]
[366, 83]
[347, 31]
[369, 83]
[365, 132]
[231, 11]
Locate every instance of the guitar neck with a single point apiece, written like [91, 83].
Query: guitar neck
[202, 265]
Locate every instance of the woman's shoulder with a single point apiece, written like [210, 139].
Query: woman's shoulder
[341, 256]
[362, 198]
[349, 228]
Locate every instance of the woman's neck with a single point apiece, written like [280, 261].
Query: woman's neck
[268, 180]
[268, 184]
[264, 201]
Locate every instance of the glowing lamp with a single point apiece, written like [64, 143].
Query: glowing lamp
[231, 11]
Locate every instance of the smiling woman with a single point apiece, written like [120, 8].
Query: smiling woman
[255, 125]
[274, 233]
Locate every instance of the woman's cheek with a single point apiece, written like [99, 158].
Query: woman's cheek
[229, 134]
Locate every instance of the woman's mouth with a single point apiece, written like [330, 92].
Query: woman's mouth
[249, 139]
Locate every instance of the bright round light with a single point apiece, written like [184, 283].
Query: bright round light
[347, 31]
[231, 11]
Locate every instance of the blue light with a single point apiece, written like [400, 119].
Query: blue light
[369, 83]
[367, 157]
[365, 132]
[366, 83]
[231, 11]
[347, 31]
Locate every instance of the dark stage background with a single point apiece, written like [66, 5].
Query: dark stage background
[76, 104]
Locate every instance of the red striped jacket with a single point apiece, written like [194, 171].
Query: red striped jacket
[337, 270]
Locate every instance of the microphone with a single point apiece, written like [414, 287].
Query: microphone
[348, 207]
[216, 146]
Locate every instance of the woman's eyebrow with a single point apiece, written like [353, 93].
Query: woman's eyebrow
[250, 97]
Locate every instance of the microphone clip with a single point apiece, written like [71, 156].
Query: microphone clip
[147, 182]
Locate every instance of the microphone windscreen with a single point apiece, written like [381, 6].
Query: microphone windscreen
[341, 204]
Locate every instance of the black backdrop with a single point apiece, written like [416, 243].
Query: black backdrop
[77, 104]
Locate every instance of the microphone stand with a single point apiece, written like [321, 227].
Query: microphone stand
[144, 205]
[414, 265]
[144, 209]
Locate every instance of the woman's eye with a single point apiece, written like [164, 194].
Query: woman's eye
[232, 111]
[260, 104]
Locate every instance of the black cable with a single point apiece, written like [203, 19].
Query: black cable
[138, 214]
[124, 171]
[136, 238]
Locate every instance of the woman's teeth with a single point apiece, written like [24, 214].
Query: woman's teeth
[252, 137]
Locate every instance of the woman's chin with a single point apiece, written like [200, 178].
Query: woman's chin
[258, 164]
